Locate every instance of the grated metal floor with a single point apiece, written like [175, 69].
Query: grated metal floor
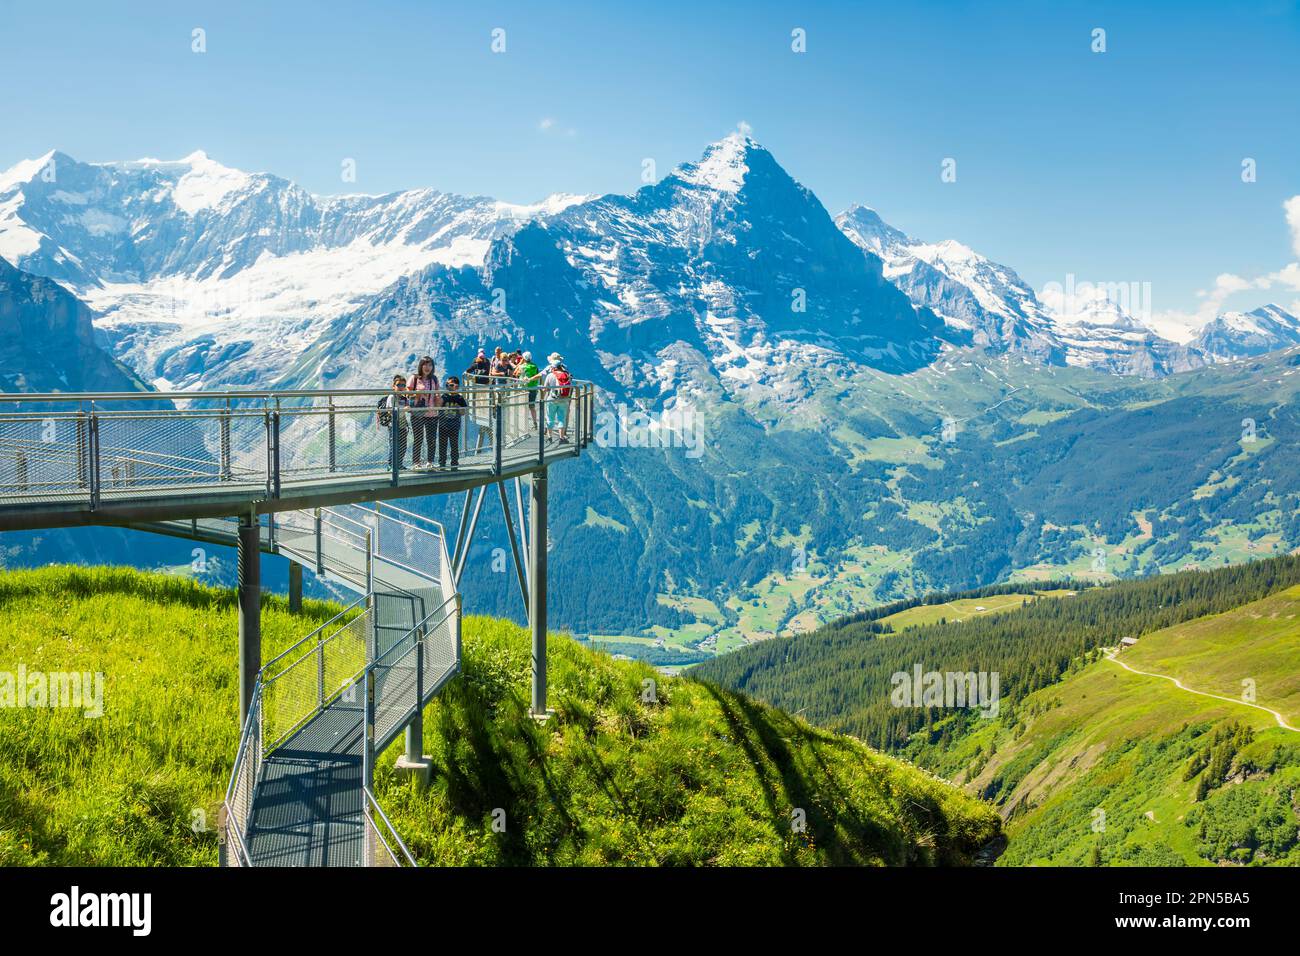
[307, 807]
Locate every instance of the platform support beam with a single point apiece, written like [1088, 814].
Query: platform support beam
[458, 564]
[514, 545]
[295, 587]
[537, 590]
[250, 611]
[414, 762]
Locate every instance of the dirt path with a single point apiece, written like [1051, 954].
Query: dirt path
[1112, 655]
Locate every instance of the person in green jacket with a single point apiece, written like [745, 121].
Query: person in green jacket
[531, 378]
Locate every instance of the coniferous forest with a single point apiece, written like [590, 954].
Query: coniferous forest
[839, 676]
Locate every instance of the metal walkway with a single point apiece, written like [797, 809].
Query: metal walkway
[299, 791]
[323, 709]
[288, 473]
[124, 458]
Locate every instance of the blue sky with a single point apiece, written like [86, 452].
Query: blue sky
[1122, 166]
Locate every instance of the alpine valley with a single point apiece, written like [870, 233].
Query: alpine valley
[882, 416]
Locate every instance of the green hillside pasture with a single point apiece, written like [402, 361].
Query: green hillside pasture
[140, 785]
[696, 776]
[701, 776]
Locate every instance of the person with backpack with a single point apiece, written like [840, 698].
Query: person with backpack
[392, 418]
[558, 385]
[529, 376]
[450, 412]
[424, 413]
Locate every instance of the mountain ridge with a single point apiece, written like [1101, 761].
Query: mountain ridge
[184, 260]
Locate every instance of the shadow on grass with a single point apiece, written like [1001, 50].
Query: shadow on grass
[489, 767]
[788, 782]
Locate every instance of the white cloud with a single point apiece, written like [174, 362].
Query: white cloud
[1292, 207]
[1226, 285]
[549, 124]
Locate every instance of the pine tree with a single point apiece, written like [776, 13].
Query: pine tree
[1202, 788]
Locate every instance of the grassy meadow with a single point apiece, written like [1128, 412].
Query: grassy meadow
[1171, 777]
[687, 775]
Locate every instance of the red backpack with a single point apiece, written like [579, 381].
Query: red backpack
[564, 379]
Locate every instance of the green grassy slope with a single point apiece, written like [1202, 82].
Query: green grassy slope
[840, 676]
[702, 776]
[1181, 778]
[1259, 643]
[1176, 776]
[143, 783]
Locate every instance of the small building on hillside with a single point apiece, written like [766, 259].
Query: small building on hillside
[1125, 642]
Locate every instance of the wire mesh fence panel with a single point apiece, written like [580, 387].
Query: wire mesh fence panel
[383, 847]
[343, 437]
[295, 534]
[45, 455]
[440, 648]
[406, 544]
[362, 441]
[344, 548]
[292, 695]
[303, 680]
[519, 414]
[479, 402]
[396, 688]
[243, 784]
[137, 452]
[344, 658]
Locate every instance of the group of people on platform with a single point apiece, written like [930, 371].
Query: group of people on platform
[428, 414]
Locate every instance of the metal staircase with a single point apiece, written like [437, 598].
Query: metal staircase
[282, 472]
[301, 790]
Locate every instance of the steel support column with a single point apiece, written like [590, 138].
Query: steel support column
[458, 565]
[415, 729]
[295, 587]
[537, 590]
[250, 611]
[514, 545]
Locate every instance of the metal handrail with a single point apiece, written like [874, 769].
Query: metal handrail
[420, 625]
[241, 755]
[243, 737]
[174, 459]
[370, 801]
[379, 555]
[241, 852]
[218, 394]
[299, 643]
[382, 506]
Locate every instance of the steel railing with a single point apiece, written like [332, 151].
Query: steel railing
[344, 658]
[105, 446]
[244, 778]
[384, 847]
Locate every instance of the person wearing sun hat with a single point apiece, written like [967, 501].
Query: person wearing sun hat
[558, 386]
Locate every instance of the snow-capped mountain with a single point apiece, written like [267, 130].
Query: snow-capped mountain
[192, 264]
[725, 274]
[1096, 332]
[1002, 313]
[1235, 335]
[973, 295]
